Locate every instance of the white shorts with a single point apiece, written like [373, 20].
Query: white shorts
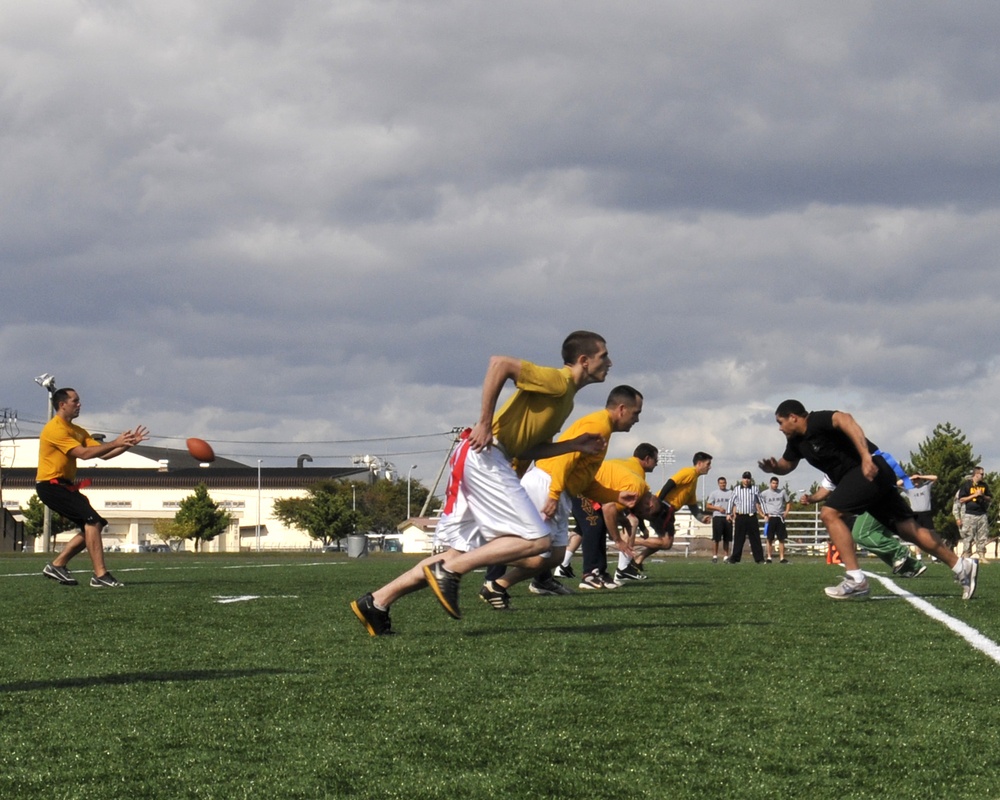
[536, 483]
[485, 500]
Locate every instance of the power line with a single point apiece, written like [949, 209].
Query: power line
[291, 442]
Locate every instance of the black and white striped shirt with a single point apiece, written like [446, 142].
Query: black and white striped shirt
[745, 500]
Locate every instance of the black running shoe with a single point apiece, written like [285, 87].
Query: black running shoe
[444, 584]
[106, 581]
[61, 574]
[630, 573]
[376, 621]
[495, 596]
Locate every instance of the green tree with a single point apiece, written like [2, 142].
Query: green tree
[382, 505]
[170, 530]
[201, 517]
[34, 519]
[326, 513]
[947, 454]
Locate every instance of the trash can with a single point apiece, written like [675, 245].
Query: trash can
[357, 546]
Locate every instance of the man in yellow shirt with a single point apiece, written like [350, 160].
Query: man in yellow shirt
[553, 481]
[680, 490]
[625, 475]
[590, 533]
[488, 517]
[60, 444]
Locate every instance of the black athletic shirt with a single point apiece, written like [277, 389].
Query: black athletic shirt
[827, 448]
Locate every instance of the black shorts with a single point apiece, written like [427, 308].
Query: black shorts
[68, 502]
[774, 527]
[855, 494]
[722, 529]
[925, 519]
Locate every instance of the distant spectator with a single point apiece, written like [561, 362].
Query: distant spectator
[975, 497]
[722, 527]
[744, 506]
[776, 505]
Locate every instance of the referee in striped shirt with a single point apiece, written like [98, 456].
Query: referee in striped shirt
[744, 506]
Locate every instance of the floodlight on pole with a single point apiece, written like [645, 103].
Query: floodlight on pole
[48, 382]
[665, 457]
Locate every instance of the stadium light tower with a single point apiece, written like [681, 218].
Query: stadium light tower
[665, 457]
[48, 382]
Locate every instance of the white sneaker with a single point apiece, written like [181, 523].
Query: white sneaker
[848, 589]
[967, 577]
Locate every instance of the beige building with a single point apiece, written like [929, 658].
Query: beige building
[147, 484]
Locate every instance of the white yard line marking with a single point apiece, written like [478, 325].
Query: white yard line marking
[200, 565]
[243, 598]
[967, 632]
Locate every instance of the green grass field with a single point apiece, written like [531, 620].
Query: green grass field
[707, 681]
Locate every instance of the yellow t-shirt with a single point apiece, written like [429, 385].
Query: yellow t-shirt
[618, 475]
[634, 464]
[685, 491]
[574, 472]
[57, 438]
[535, 412]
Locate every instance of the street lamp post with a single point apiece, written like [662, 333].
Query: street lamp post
[258, 504]
[48, 382]
[408, 512]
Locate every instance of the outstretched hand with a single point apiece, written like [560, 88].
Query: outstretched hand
[133, 437]
[591, 443]
[768, 464]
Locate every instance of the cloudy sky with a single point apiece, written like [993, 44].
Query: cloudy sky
[293, 226]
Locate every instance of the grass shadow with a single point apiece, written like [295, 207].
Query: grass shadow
[129, 678]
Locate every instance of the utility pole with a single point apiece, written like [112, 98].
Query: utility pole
[455, 440]
[48, 382]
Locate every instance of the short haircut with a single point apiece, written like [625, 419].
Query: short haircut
[646, 450]
[60, 396]
[773, 480]
[789, 407]
[721, 479]
[581, 343]
[623, 395]
[700, 456]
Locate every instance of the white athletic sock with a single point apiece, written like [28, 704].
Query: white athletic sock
[856, 575]
[567, 558]
[623, 561]
[957, 569]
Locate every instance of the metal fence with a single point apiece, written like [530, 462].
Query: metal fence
[806, 533]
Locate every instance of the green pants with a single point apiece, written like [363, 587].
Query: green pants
[875, 538]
